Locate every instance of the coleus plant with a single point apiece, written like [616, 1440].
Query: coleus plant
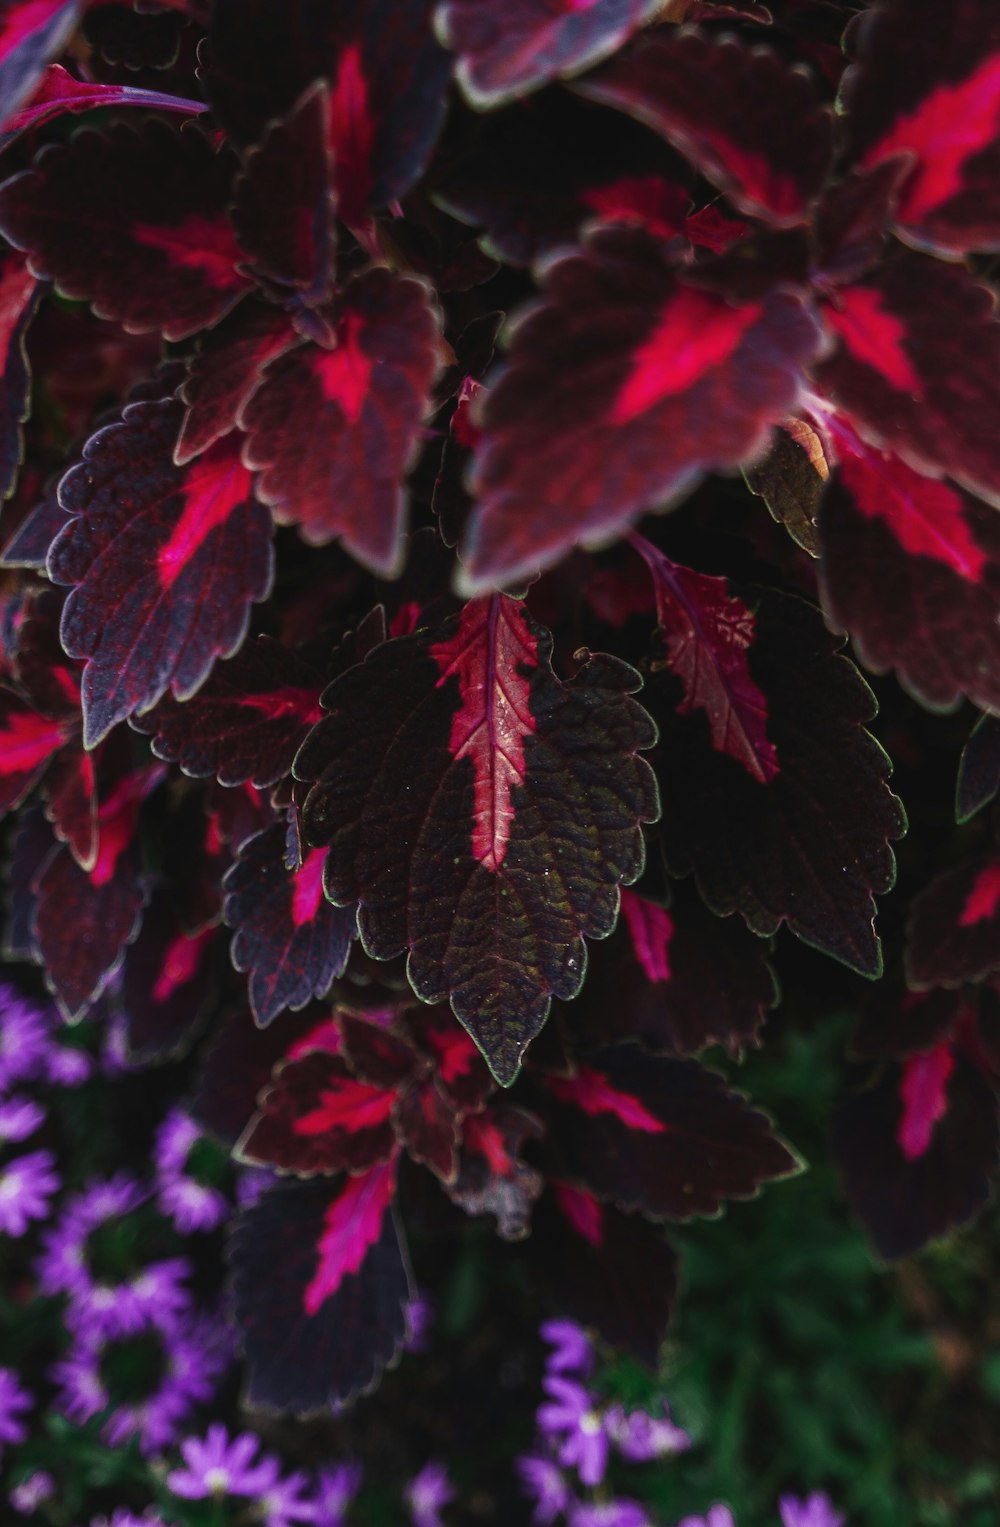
[362, 705]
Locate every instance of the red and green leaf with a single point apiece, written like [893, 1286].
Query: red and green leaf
[133, 221]
[164, 562]
[483, 812]
[335, 431]
[622, 388]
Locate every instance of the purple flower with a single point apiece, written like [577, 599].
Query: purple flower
[13, 1399]
[26, 1185]
[421, 1317]
[192, 1205]
[545, 1482]
[125, 1518]
[611, 1513]
[66, 1066]
[718, 1516]
[427, 1494]
[816, 1511]
[572, 1352]
[216, 1466]
[640, 1437]
[110, 1304]
[575, 1428]
[32, 1492]
[282, 1502]
[335, 1489]
[19, 1118]
[251, 1182]
[24, 1039]
[149, 1380]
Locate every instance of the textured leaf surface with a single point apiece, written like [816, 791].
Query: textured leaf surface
[319, 1324]
[483, 812]
[810, 847]
[790, 479]
[910, 566]
[503, 54]
[32, 33]
[749, 123]
[905, 1201]
[388, 81]
[954, 926]
[622, 388]
[335, 431]
[288, 936]
[928, 87]
[664, 1137]
[707, 633]
[134, 222]
[165, 562]
[317, 1117]
[18, 300]
[917, 367]
[246, 721]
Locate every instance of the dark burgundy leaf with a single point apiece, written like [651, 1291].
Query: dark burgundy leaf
[32, 33]
[917, 367]
[790, 479]
[374, 1052]
[979, 768]
[492, 1177]
[29, 545]
[126, 36]
[613, 1271]
[19, 294]
[662, 1136]
[895, 1022]
[532, 175]
[707, 634]
[810, 847]
[165, 562]
[27, 743]
[60, 92]
[905, 1196]
[170, 984]
[240, 1061]
[679, 980]
[288, 936]
[132, 220]
[910, 566]
[459, 1065]
[283, 212]
[927, 87]
[483, 812]
[316, 1117]
[319, 1323]
[247, 719]
[622, 388]
[388, 82]
[83, 920]
[71, 801]
[335, 431]
[753, 126]
[503, 53]
[852, 221]
[31, 845]
[225, 371]
[427, 1127]
[954, 926]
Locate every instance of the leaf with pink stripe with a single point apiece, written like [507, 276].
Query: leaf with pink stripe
[164, 562]
[288, 937]
[953, 933]
[483, 812]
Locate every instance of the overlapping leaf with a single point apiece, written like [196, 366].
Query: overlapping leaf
[388, 80]
[744, 119]
[32, 33]
[288, 937]
[979, 768]
[134, 221]
[320, 1323]
[954, 926]
[19, 294]
[662, 1136]
[334, 431]
[623, 386]
[226, 369]
[810, 846]
[927, 87]
[170, 983]
[504, 54]
[60, 92]
[164, 562]
[483, 812]
[910, 566]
